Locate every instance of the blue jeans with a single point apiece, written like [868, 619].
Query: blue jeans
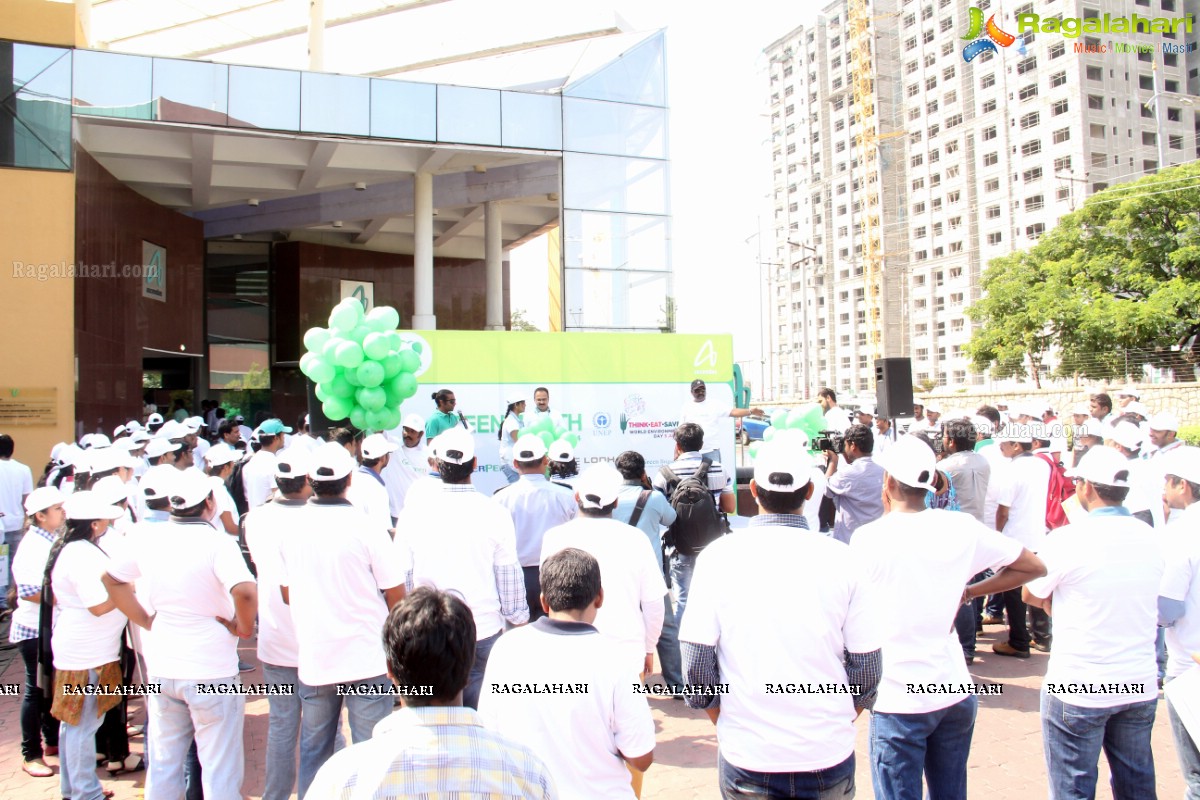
[77, 751]
[1160, 652]
[181, 714]
[321, 713]
[681, 580]
[936, 743]
[193, 774]
[483, 649]
[1073, 736]
[36, 722]
[834, 783]
[1189, 754]
[283, 732]
[510, 474]
[669, 657]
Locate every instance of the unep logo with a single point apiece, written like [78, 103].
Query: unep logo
[994, 36]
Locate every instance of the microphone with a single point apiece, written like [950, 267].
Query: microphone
[463, 420]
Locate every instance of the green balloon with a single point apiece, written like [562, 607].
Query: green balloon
[321, 392]
[409, 360]
[392, 365]
[769, 433]
[339, 386]
[370, 373]
[394, 399]
[343, 317]
[386, 317]
[371, 398]
[547, 437]
[377, 420]
[329, 349]
[393, 418]
[321, 370]
[405, 385]
[779, 417]
[418, 348]
[306, 362]
[336, 408]
[358, 417]
[376, 346]
[396, 340]
[315, 339]
[351, 376]
[359, 333]
[753, 449]
[349, 355]
[573, 438]
[812, 419]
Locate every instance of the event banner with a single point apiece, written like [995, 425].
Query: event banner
[616, 391]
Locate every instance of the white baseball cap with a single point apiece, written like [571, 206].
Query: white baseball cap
[134, 425]
[867, 409]
[1137, 408]
[1016, 432]
[42, 498]
[191, 488]
[119, 431]
[89, 505]
[414, 422]
[1129, 391]
[294, 462]
[154, 419]
[111, 489]
[1182, 462]
[1125, 434]
[194, 424]
[561, 451]
[1093, 427]
[158, 481]
[529, 448]
[173, 430]
[1164, 421]
[1038, 432]
[134, 441]
[1083, 409]
[157, 447]
[330, 462]
[982, 425]
[454, 446]
[1102, 465]
[108, 458]
[1004, 403]
[220, 456]
[598, 486]
[377, 446]
[908, 460]
[70, 455]
[781, 469]
[933, 406]
[512, 398]
[94, 441]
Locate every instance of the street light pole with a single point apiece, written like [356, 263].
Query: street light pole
[1158, 127]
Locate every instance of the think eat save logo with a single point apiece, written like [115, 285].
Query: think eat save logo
[994, 36]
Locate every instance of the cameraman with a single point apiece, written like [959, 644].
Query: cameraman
[857, 489]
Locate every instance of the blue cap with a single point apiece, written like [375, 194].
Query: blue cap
[274, 427]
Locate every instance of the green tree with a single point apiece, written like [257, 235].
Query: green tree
[518, 322]
[669, 311]
[1115, 285]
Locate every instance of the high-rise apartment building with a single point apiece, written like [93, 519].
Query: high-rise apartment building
[974, 159]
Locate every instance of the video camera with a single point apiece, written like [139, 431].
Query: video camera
[829, 441]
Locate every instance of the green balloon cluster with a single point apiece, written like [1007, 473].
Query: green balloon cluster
[362, 369]
[550, 433]
[808, 419]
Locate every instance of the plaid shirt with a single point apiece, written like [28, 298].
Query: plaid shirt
[434, 752]
[19, 632]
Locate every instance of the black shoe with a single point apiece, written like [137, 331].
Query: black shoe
[1041, 647]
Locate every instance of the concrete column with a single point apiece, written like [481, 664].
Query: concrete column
[316, 35]
[83, 12]
[423, 317]
[494, 259]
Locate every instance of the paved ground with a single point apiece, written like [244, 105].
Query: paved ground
[1006, 755]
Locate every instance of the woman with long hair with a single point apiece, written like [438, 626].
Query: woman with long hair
[44, 507]
[85, 639]
[510, 429]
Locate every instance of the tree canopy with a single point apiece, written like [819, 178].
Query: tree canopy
[1120, 274]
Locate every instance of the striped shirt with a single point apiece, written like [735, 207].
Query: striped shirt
[433, 751]
[688, 464]
[32, 564]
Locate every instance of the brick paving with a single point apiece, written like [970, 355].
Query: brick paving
[1006, 755]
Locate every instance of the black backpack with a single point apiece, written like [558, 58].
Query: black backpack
[698, 521]
[237, 488]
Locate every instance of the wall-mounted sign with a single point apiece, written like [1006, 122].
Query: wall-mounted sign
[154, 271]
[362, 291]
[28, 407]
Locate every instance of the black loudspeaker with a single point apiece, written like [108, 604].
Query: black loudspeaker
[319, 425]
[893, 387]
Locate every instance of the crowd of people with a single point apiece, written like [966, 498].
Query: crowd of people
[503, 645]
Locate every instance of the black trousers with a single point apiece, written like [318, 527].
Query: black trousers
[1018, 632]
[533, 592]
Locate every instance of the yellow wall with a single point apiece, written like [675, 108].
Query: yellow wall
[40, 21]
[38, 321]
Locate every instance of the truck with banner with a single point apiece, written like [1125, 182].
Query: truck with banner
[615, 391]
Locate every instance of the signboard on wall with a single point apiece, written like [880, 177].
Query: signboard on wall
[154, 271]
[28, 407]
[362, 291]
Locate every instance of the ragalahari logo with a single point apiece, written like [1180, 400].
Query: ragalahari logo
[994, 36]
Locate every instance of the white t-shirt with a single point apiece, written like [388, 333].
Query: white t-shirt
[335, 563]
[608, 719]
[405, 467]
[512, 424]
[224, 501]
[921, 563]
[266, 527]
[1024, 484]
[836, 419]
[1146, 482]
[369, 495]
[454, 540]
[1104, 574]
[202, 447]
[28, 568]
[185, 572]
[258, 476]
[632, 613]
[536, 506]
[16, 481]
[737, 581]
[1181, 581]
[82, 640]
[708, 415]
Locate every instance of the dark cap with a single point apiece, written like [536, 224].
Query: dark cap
[696, 384]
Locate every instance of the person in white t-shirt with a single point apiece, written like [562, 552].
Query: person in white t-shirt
[1179, 593]
[220, 461]
[1100, 690]
[536, 506]
[921, 559]
[510, 429]
[368, 493]
[458, 539]
[708, 415]
[610, 722]
[1022, 487]
[836, 418]
[196, 440]
[340, 575]
[46, 516]
[266, 527]
[16, 482]
[541, 409]
[258, 476]
[770, 737]
[408, 464]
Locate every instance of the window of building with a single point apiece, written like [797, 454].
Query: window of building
[918, 160]
[1059, 107]
[950, 98]
[948, 73]
[914, 89]
[953, 197]
[988, 133]
[919, 232]
[1028, 92]
[992, 185]
[1057, 49]
[1095, 73]
[919, 183]
[991, 159]
[1096, 130]
[954, 120]
[1062, 164]
[918, 208]
[1034, 202]
[995, 238]
[1029, 120]
[1026, 65]
[1058, 79]
[992, 212]
[987, 107]
[1035, 231]
[1062, 193]
[1031, 147]
[911, 67]
[987, 81]
[1031, 175]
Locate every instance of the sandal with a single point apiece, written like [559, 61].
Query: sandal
[132, 763]
[37, 769]
[134, 730]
